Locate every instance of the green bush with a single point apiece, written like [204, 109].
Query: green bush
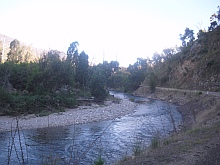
[64, 100]
[155, 143]
[152, 82]
[7, 103]
[5, 97]
[97, 86]
[100, 161]
[137, 149]
[26, 104]
[166, 142]
[34, 104]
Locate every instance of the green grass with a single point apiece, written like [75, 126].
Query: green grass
[99, 161]
[193, 131]
[166, 142]
[155, 143]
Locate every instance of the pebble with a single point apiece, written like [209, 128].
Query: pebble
[71, 116]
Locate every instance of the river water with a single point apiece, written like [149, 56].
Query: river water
[113, 140]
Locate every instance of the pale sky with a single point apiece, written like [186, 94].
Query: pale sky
[121, 30]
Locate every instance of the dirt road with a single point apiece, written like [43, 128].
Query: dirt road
[187, 90]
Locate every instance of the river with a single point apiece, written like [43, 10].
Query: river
[113, 140]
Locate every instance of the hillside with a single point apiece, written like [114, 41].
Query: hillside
[196, 66]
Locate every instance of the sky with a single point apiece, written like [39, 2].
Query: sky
[121, 30]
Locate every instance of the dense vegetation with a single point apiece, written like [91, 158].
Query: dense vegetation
[31, 85]
[51, 81]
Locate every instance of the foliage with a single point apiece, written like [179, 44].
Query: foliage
[138, 147]
[155, 142]
[19, 76]
[100, 161]
[46, 76]
[82, 69]
[72, 55]
[137, 74]
[187, 37]
[152, 82]
[97, 84]
[214, 20]
[28, 104]
[118, 80]
[15, 55]
[35, 84]
[6, 102]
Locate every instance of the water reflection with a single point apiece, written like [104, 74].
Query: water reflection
[82, 144]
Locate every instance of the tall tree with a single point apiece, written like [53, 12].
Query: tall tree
[27, 54]
[98, 83]
[214, 20]
[15, 54]
[187, 37]
[137, 74]
[82, 69]
[72, 53]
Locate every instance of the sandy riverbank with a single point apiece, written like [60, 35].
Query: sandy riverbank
[82, 114]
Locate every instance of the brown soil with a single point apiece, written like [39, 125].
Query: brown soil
[197, 143]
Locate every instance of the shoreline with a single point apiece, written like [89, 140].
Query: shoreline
[79, 115]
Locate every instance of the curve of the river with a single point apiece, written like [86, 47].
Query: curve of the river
[83, 144]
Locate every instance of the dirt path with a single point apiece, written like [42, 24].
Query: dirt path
[186, 90]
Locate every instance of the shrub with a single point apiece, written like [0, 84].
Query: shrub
[6, 102]
[155, 143]
[97, 86]
[100, 161]
[152, 82]
[43, 104]
[166, 142]
[137, 149]
[5, 97]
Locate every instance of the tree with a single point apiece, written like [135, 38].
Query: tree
[201, 33]
[118, 80]
[50, 74]
[137, 74]
[157, 58]
[114, 65]
[187, 37]
[152, 82]
[169, 52]
[72, 53]
[214, 20]
[15, 54]
[97, 83]
[27, 54]
[82, 69]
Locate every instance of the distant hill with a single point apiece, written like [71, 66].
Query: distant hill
[7, 40]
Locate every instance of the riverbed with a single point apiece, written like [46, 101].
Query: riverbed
[112, 138]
